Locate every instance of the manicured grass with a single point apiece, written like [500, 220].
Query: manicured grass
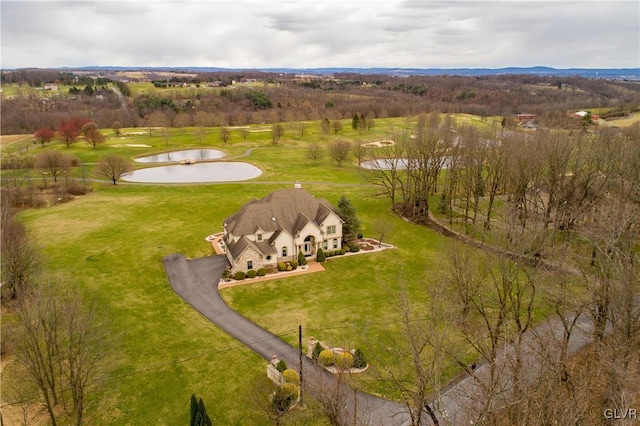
[111, 243]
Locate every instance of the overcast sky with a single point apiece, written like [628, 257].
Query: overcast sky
[321, 33]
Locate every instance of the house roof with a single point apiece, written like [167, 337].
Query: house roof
[287, 209]
[243, 243]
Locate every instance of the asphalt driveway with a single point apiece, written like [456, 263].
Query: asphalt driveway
[196, 282]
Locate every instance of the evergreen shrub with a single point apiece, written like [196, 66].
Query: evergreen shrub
[281, 365]
[359, 361]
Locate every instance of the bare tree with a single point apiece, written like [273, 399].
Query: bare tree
[19, 259]
[53, 162]
[95, 137]
[314, 152]
[386, 169]
[382, 227]
[336, 125]
[113, 167]
[182, 120]
[116, 126]
[59, 339]
[339, 151]
[225, 134]
[359, 152]
[277, 131]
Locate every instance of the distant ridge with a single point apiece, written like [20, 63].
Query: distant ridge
[617, 73]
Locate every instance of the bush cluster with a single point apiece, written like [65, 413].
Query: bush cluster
[238, 276]
[282, 266]
[320, 257]
[262, 272]
[326, 358]
[252, 273]
[294, 264]
[291, 376]
[355, 248]
[344, 360]
[284, 397]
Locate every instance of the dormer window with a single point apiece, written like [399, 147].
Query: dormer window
[258, 237]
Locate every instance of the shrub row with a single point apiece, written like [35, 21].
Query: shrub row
[240, 275]
[331, 253]
[344, 360]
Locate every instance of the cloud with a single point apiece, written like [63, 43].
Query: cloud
[359, 33]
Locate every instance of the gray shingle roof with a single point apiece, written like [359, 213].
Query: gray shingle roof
[288, 209]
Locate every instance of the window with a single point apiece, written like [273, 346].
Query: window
[268, 257]
[335, 243]
[249, 265]
[259, 237]
[331, 230]
[325, 244]
[284, 252]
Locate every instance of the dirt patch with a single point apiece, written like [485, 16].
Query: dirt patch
[9, 139]
[379, 144]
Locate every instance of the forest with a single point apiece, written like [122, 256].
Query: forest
[221, 99]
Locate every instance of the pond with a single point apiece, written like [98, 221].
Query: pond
[185, 154]
[396, 163]
[195, 173]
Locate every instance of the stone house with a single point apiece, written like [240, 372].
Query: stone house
[279, 226]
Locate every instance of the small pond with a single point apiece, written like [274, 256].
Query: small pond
[185, 154]
[399, 163]
[195, 173]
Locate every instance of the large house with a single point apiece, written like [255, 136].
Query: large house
[279, 226]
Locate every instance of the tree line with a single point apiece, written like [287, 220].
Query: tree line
[285, 98]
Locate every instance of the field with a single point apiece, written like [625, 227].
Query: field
[111, 243]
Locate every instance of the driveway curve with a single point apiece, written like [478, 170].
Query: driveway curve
[196, 282]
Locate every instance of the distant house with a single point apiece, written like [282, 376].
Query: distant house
[50, 86]
[526, 117]
[583, 114]
[279, 226]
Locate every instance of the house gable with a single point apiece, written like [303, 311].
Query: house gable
[283, 220]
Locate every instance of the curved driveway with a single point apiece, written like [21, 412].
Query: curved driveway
[196, 282]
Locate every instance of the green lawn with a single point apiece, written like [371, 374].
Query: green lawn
[111, 243]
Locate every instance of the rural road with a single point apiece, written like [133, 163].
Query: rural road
[458, 403]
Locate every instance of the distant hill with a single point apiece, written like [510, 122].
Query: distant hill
[610, 73]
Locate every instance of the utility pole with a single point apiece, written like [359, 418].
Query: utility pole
[301, 381]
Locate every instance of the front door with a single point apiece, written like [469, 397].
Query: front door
[309, 246]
